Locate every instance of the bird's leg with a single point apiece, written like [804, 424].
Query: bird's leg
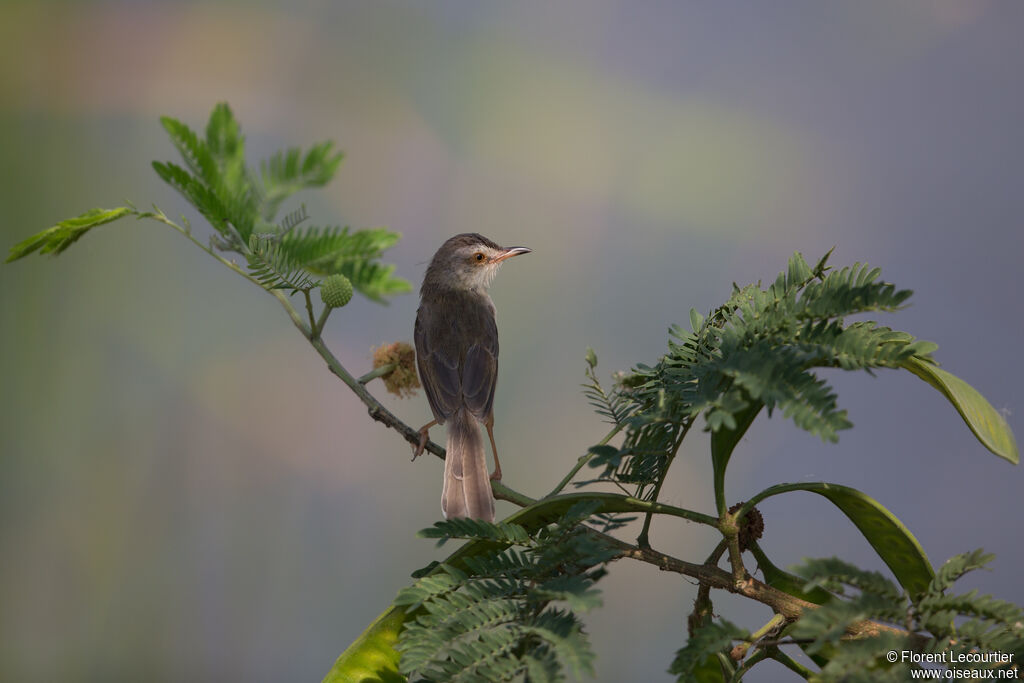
[489, 423]
[424, 436]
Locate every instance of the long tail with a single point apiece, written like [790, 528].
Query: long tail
[467, 485]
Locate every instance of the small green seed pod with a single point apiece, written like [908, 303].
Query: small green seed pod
[335, 291]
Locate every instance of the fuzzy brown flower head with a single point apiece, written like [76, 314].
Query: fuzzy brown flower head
[751, 528]
[403, 380]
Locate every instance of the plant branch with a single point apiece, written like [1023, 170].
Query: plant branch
[748, 665]
[385, 369]
[790, 663]
[314, 328]
[322, 320]
[161, 217]
[502, 492]
[784, 604]
[771, 627]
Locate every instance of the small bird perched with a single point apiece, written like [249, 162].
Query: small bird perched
[457, 356]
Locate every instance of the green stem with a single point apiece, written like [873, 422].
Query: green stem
[717, 553]
[322, 320]
[614, 502]
[161, 218]
[758, 656]
[719, 483]
[773, 624]
[313, 327]
[502, 492]
[583, 460]
[768, 493]
[385, 369]
[790, 663]
[730, 530]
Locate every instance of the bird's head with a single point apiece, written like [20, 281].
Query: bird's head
[468, 261]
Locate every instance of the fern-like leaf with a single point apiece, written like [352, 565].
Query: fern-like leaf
[501, 532]
[707, 641]
[330, 251]
[835, 575]
[273, 268]
[194, 150]
[289, 171]
[955, 567]
[61, 236]
[507, 612]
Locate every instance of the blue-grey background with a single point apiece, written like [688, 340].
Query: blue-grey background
[187, 494]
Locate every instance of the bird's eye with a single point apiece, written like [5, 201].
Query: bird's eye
[479, 256]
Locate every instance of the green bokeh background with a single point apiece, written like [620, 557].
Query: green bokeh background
[187, 494]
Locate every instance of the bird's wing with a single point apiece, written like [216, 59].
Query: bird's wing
[439, 371]
[457, 354]
[480, 377]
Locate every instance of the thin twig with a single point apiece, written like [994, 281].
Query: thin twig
[583, 460]
[644, 538]
[385, 369]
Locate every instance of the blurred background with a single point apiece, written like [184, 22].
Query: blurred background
[187, 494]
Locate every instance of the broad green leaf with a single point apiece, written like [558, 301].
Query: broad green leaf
[724, 440]
[984, 420]
[372, 658]
[887, 535]
[61, 236]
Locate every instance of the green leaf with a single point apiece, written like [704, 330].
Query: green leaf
[61, 236]
[797, 271]
[227, 147]
[708, 671]
[500, 532]
[289, 171]
[724, 441]
[337, 251]
[194, 151]
[273, 268]
[786, 582]
[985, 421]
[198, 194]
[706, 641]
[372, 657]
[887, 535]
[956, 566]
[696, 320]
[835, 575]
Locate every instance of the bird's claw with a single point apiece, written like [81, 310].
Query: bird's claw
[418, 449]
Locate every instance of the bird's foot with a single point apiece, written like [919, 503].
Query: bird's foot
[419, 447]
[417, 450]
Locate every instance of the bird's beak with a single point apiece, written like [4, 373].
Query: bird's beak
[511, 251]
